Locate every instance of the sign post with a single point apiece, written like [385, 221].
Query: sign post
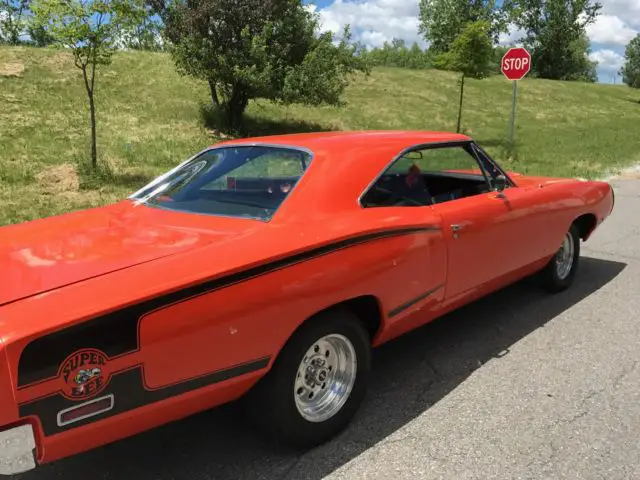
[515, 65]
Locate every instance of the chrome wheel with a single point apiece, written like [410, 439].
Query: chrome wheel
[564, 257]
[325, 378]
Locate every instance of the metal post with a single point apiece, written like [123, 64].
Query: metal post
[512, 130]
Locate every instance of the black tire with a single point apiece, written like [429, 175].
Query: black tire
[271, 404]
[550, 279]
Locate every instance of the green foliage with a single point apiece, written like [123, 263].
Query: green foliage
[144, 33]
[13, 15]
[555, 34]
[16, 26]
[258, 49]
[89, 29]
[397, 54]
[39, 36]
[496, 61]
[323, 74]
[442, 21]
[471, 52]
[631, 69]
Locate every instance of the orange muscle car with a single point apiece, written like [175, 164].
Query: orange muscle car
[267, 269]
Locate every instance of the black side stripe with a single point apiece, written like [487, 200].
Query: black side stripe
[413, 301]
[116, 333]
[128, 390]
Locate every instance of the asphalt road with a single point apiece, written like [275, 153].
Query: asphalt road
[521, 384]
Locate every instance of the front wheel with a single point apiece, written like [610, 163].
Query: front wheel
[317, 382]
[559, 273]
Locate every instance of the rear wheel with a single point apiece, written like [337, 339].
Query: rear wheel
[559, 273]
[317, 382]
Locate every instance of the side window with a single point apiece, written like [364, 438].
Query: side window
[429, 176]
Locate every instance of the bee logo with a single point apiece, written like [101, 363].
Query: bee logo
[83, 374]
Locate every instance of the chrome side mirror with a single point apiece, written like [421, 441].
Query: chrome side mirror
[500, 183]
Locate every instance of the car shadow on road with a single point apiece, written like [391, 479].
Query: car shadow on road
[411, 374]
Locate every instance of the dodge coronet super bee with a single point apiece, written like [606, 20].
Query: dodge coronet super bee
[264, 269]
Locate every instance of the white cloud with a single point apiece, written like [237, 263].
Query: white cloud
[608, 60]
[626, 10]
[610, 30]
[374, 21]
[512, 37]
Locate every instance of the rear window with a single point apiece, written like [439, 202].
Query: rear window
[244, 181]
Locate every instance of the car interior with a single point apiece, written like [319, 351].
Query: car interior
[406, 184]
[432, 188]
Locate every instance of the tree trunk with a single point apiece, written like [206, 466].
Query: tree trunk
[94, 143]
[89, 84]
[460, 106]
[214, 93]
[235, 107]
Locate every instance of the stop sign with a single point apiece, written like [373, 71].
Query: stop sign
[516, 63]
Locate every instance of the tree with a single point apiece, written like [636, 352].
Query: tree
[145, 34]
[38, 35]
[442, 21]
[396, 54]
[12, 20]
[630, 71]
[556, 36]
[89, 29]
[471, 54]
[248, 49]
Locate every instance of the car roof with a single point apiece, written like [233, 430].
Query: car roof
[340, 140]
[344, 164]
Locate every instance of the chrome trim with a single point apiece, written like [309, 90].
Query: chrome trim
[92, 414]
[160, 178]
[17, 447]
[482, 152]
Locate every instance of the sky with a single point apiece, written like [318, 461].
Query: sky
[374, 21]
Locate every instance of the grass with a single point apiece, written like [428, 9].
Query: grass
[150, 118]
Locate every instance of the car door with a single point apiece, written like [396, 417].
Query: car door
[490, 235]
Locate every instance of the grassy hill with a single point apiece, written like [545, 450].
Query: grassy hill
[149, 120]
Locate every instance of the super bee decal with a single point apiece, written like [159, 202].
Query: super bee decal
[84, 374]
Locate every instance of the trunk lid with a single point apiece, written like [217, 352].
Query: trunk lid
[45, 254]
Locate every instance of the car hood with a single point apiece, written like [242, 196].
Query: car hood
[45, 254]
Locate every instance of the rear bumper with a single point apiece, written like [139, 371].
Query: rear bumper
[17, 447]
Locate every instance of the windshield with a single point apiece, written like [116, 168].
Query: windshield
[239, 181]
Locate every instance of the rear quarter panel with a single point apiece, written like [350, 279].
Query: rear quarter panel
[254, 318]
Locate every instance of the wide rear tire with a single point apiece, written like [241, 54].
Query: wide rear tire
[317, 382]
[559, 273]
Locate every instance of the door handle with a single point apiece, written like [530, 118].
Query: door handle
[456, 227]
